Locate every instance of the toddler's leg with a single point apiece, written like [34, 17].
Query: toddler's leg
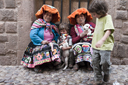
[105, 62]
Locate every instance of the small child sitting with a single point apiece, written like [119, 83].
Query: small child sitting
[65, 43]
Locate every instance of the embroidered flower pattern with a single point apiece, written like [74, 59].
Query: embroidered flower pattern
[39, 56]
[83, 52]
[27, 59]
[55, 51]
[47, 54]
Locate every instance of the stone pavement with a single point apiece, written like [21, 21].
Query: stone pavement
[18, 75]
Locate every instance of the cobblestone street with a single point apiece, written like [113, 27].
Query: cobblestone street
[16, 20]
[18, 75]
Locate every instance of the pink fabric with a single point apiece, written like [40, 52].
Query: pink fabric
[79, 29]
[48, 35]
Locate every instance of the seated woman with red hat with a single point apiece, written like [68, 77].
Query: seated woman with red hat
[80, 38]
[44, 34]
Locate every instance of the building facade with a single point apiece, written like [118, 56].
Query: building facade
[17, 16]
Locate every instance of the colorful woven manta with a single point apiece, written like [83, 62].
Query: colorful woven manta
[41, 23]
[85, 48]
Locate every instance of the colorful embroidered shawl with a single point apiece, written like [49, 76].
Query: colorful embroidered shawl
[41, 23]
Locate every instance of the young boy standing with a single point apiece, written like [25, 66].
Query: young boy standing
[102, 42]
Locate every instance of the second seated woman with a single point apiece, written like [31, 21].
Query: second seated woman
[82, 50]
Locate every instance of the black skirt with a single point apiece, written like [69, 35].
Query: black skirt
[37, 55]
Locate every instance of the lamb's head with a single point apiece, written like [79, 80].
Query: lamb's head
[86, 26]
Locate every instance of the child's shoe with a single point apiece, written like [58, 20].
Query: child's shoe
[106, 77]
[99, 83]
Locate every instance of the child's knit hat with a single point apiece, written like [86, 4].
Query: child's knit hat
[79, 11]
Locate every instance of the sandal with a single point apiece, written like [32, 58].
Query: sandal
[37, 69]
[76, 67]
[70, 66]
[89, 69]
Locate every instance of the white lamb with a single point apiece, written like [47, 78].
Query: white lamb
[65, 53]
[88, 27]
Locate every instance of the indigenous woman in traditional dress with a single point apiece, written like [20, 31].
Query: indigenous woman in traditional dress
[44, 35]
[80, 18]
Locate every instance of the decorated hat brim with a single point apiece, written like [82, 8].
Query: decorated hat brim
[79, 11]
[51, 9]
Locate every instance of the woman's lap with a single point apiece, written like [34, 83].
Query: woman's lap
[38, 55]
[82, 52]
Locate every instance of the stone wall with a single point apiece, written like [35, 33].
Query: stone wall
[119, 11]
[16, 17]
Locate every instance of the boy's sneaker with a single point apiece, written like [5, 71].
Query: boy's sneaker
[106, 77]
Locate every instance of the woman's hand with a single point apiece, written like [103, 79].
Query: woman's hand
[99, 44]
[44, 42]
[85, 32]
[66, 48]
[63, 48]
[53, 41]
